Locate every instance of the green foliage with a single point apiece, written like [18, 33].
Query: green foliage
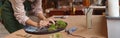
[59, 24]
[52, 27]
[57, 35]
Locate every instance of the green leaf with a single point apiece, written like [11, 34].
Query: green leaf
[52, 27]
[61, 24]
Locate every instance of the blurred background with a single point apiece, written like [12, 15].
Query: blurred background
[60, 7]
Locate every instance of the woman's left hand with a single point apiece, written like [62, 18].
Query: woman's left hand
[51, 20]
[46, 22]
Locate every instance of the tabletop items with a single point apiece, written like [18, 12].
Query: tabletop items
[76, 26]
[71, 30]
[58, 26]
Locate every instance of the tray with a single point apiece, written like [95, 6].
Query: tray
[43, 30]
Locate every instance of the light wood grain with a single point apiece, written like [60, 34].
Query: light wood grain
[99, 28]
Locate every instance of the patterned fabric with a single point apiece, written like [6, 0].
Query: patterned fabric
[19, 11]
[11, 17]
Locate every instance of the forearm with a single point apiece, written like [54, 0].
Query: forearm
[20, 13]
[41, 16]
[37, 8]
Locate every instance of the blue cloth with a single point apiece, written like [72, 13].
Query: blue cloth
[30, 28]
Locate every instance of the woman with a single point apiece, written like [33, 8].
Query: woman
[14, 14]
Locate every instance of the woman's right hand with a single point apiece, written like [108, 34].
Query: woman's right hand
[43, 23]
[46, 22]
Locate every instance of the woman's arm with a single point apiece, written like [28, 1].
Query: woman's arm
[20, 13]
[37, 9]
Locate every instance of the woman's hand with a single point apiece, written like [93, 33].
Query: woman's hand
[51, 20]
[46, 22]
[43, 23]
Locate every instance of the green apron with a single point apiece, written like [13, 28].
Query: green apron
[8, 19]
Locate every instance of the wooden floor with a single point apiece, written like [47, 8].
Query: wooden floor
[3, 31]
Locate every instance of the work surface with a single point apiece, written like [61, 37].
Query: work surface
[99, 28]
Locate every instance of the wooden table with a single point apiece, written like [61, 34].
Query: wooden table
[99, 29]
